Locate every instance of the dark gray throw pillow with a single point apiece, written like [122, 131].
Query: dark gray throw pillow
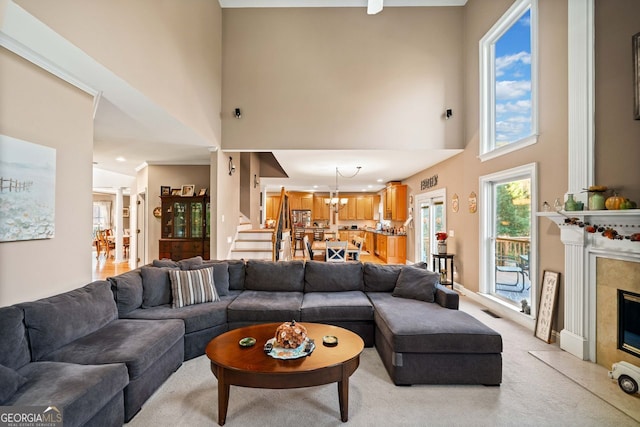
[10, 382]
[190, 263]
[220, 276]
[416, 283]
[165, 262]
[156, 286]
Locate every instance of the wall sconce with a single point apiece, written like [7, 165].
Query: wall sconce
[256, 181]
[448, 113]
[237, 113]
[232, 167]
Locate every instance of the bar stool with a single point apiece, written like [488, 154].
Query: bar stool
[298, 237]
[318, 234]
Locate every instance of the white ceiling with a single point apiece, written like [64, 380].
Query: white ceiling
[130, 126]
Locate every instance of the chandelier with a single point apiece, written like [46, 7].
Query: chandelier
[335, 201]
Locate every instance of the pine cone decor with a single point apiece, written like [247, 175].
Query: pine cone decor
[290, 335]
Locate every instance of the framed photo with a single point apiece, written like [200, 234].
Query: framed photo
[202, 192]
[635, 41]
[175, 192]
[125, 212]
[188, 190]
[547, 306]
[165, 190]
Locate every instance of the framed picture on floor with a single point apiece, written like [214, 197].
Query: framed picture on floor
[547, 305]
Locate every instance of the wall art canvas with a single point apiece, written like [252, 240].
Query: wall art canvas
[27, 190]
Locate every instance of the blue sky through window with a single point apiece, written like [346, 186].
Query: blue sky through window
[513, 82]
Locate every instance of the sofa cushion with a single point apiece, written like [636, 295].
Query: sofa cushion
[274, 276]
[264, 306]
[322, 276]
[14, 347]
[413, 326]
[136, 343]
[156, 286]
[380, 277]
[336, 307]
[190, 263]
[58, 320]
[165, 262]
[10, 382]
[236, 272]
[220, 276]
[195, 317]
[127, 290]
[79, 391]
[416, 283]
[192, 287]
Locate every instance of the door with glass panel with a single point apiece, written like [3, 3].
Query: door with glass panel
[431, 221]
[511, 241]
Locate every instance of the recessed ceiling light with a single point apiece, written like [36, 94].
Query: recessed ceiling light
[369, 186]
[380, 180]
[315, 186]
[121, 159]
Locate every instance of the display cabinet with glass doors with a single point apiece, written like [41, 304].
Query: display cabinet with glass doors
[185, 227]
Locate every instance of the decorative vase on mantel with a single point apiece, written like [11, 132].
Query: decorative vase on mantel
[442, 246]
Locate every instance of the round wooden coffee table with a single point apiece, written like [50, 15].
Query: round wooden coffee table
[233, 364]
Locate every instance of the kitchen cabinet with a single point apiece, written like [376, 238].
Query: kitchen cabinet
[321, 209]
[185, 228]
[395, 202]
[272, 205]
[369, 241]
[391, 249]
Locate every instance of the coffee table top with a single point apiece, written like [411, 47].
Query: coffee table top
[225, 350]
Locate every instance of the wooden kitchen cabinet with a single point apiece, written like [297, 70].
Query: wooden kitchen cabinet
[391, 249]
[395, 202]
[272, 205]
[369, 241]
[321, 209]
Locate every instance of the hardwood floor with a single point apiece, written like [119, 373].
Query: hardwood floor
[104, 267]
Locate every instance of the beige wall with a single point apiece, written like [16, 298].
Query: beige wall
[617, 134]
[37, 107]
[227, 208]
[174, 177]
[460, 174]
[169, 50]
[337, 78]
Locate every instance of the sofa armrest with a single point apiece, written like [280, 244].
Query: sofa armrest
[446, 297]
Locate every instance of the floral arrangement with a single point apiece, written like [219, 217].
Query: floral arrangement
[441, 236]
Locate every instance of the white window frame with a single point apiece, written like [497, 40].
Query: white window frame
[488, 149]
[487, 216]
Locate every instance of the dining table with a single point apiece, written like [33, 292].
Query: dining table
[321, 246]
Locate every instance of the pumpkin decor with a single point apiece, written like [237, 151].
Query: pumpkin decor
[614, 202]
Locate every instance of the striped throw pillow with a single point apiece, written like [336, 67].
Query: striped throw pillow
[190, 287]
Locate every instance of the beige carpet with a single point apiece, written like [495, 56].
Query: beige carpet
[532, 394]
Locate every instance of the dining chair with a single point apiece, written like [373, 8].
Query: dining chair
[358, 242]
[336, 251]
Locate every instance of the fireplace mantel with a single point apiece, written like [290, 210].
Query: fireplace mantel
[625, 222]
[581, 249]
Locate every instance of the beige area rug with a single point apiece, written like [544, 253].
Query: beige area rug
[532, 394]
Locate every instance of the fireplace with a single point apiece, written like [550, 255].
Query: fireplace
[629, 322]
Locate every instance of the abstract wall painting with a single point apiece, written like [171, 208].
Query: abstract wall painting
[27, 190]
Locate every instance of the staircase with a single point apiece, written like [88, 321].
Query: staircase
[253, 244]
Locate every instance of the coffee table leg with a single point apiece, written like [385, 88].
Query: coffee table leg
[223, 398]
[343, 398]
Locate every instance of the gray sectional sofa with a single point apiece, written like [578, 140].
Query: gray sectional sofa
[100, 351]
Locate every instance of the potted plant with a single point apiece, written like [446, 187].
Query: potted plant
[441, 237]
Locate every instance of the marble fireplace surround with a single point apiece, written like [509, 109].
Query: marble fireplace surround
[584, 256]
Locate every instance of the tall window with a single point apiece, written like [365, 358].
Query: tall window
[508, 234]
[508, 95]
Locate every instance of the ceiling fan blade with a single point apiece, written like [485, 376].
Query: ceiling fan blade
[374, 6]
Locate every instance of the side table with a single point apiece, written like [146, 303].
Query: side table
[440, 262]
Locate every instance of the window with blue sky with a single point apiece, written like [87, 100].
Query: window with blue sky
[513, 83]
[508, 82]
